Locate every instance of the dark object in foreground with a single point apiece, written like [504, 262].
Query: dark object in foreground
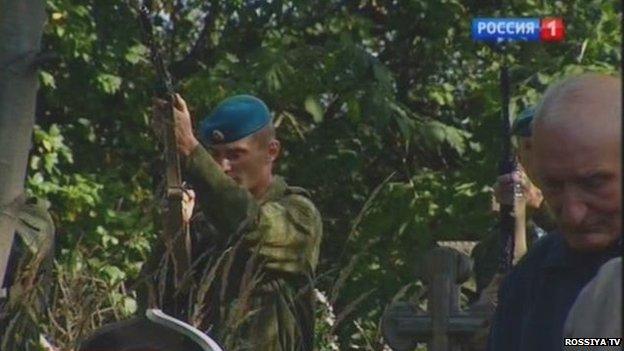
[155, 331]
[536, 297]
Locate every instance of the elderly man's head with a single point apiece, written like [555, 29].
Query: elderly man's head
[576, 158]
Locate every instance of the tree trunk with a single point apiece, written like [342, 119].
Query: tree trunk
[21, 28]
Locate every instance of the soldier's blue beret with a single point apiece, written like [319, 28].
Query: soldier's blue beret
[522, 124]
[234, 118]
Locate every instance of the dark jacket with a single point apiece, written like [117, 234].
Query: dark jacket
[534, 300]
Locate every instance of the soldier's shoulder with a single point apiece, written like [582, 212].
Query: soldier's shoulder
[300, 201]
[297, 190]
[299, 204]
[296, 196]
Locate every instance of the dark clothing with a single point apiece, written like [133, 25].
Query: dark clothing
[486, 254]
[535, 298]
[543, 218]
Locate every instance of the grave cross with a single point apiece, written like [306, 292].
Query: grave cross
[446, 327]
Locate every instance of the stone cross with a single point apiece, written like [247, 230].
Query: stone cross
[445, 327]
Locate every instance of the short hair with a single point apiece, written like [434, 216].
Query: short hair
[264, 136]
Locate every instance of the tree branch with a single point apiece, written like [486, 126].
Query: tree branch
[201, 50]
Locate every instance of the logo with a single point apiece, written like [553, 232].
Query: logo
[553, 30]
[217, 136]
[518, 29]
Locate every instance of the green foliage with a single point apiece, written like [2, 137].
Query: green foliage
[359, 90]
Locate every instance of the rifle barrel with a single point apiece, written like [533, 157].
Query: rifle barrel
[506, 165]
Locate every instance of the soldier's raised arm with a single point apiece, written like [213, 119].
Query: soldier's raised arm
[231, 170]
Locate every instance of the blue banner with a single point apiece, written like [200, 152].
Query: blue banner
[505, 29]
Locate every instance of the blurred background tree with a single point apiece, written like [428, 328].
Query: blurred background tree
[388, 112]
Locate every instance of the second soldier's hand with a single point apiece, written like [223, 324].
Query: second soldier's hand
[188, 204]
[183, 128]
[504, 189]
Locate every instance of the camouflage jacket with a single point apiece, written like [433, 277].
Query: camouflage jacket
[253, 262]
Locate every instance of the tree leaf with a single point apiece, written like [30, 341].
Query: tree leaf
[109, 83]
[313, 107]
[47, 79]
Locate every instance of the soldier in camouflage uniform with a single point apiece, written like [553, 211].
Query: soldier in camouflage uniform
[255, 255]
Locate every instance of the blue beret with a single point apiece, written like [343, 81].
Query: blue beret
[522, 124]
[235, 118]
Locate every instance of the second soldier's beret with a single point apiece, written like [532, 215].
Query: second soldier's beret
[522, 124]
[234, 118]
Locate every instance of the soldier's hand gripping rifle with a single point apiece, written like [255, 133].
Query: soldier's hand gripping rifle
[174, 229]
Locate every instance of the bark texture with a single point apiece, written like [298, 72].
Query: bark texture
[21, 28]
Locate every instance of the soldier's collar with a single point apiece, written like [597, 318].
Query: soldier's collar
[275, 191]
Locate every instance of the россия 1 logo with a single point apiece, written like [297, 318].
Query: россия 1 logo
[518, 29]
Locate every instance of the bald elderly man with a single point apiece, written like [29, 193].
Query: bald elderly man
[576, 163]
[255, 256]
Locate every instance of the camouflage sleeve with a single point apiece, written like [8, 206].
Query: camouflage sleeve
[288, 231]
[289, 235]
[229, 206]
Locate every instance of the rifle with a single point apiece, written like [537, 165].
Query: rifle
[509, 226]
[507, 164]
[175, 234]
[512, 217]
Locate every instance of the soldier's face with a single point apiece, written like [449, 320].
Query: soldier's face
[577, 166]
[247, 161]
